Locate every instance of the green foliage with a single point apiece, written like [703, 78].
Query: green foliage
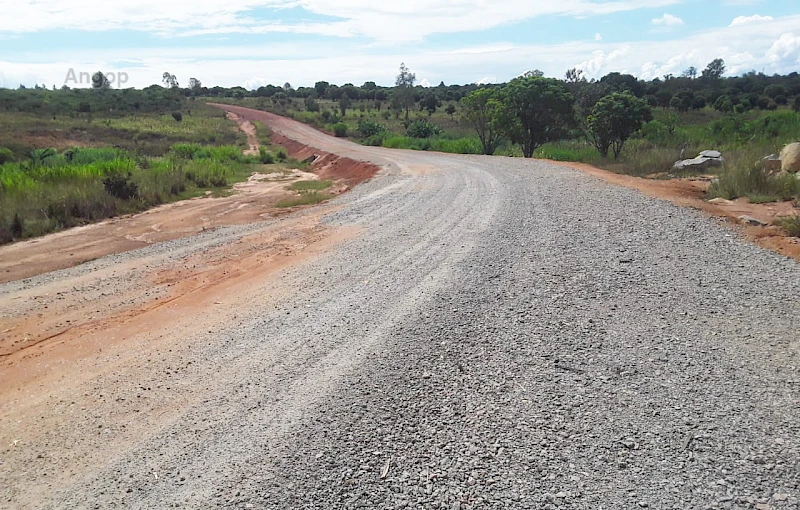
[422, 128]
[55, 190]
[265, 156]
[280, 154]
[311, 104]
[791, 224]
[536, 111]
[369, 128]
[614, 119]
[317, 185]
[340, 129]
[121, 186]
[749, 180]
[308, 198]
[453, 146]
[484, 111]
[6, 156]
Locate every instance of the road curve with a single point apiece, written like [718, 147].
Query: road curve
[501, 333]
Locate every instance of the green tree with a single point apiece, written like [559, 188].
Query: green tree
[430, 103]
[483, 111]
[715, 69]
[536, 110]
[614, 119]
[450, 110]
[311, 104]
[169, 80]
[723, 104]
[100, 81]
[321, 87]
[404, 88]
[344, 104]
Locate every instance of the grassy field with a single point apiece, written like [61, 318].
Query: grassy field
[149, 134]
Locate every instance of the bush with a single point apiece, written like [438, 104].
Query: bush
[340, 129]
[311, 104]
[280, 155]
[178, 116]
[16, 226]
[743, 180]
[6, 156]
[120, 186]
[422, 128]
[791, 225]
[264, 156]
[369, 128]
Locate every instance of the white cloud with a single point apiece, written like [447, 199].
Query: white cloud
[668, 20]
[757, 46]
[741, 20]
[424, 83]
[598, 37]
[787, 48]
[382, 21]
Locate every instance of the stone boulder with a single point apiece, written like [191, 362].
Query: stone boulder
[704, 161]
[790, 158]
[698, 164]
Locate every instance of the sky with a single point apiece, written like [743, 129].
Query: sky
[251, 43]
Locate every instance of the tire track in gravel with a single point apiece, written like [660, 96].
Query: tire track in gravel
[501, 334]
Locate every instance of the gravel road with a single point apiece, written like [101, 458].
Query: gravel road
[501, 334]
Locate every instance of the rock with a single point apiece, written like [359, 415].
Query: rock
[749, 220]
[711, 154]
[790, 158]
[780, 497]
[310, 159]
[698, 164]
[771, 163]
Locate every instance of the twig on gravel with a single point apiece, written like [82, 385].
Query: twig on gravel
[385, 470]
[569, 368]
[688, 440]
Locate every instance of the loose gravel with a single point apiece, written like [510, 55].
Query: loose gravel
[503, 334]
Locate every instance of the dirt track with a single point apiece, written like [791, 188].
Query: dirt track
[460, 332]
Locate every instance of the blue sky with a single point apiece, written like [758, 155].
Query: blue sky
[255, 42]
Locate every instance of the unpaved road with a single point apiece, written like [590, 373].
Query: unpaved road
[459, 332]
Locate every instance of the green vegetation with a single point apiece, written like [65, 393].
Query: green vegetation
[310, 185]
[791, 225]
[614, 119]
[644, 125]
[309, 198]
[51, 190]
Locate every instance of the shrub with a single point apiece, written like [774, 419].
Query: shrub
[369, 128]
[796, 105]
[311, 104]
[340, 129]
[281, 154]
[6, 156]
[121, 186]
[16, 226]
[178, 116]
[264, 156]
[791, 224]
[422, 128]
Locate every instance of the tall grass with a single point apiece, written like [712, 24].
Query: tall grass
[51, 190]
[455, 146]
